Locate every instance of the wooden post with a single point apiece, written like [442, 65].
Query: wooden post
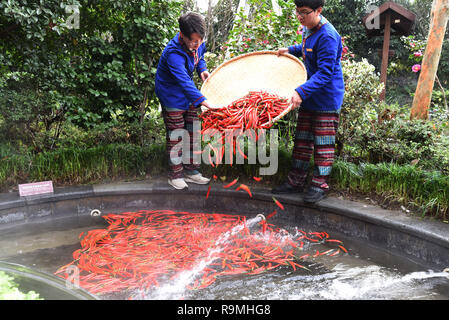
[385, 51]
[424, 88]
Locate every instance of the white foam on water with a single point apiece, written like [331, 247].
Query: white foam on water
[342, 282]
[176, 288]
[360, 283]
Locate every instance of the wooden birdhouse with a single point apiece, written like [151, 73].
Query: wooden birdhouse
[387, 20]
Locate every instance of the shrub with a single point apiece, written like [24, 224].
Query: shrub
[398, 140]
[30, 117]
[263, 29]
[359, 109]
[9, 289]
[100, 71]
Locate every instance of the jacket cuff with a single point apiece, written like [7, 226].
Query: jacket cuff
[291, 49]
[301, 93]
[198, 101]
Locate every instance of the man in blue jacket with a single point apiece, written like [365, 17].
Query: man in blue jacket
[178, 95]
[319, 100]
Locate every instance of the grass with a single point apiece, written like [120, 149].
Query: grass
[79, 166]
[426, 191]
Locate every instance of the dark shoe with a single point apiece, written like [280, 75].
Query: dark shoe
[314, 195]
[286, 188]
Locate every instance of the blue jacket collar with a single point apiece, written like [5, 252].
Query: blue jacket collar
[309, 32]
[183, 46]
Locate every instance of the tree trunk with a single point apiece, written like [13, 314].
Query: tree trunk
[385, 51]
[423, 94]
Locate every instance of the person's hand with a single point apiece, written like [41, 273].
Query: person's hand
[296, 100]
[204, 75]
[281, 51]
[206, 104]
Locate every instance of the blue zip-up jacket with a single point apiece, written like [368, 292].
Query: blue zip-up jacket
[321, 51]
[174, 84]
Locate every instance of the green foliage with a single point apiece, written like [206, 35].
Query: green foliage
[346, 16]
[144, 133]
[376, 133]
[438, 111]
[392, 137]
[100, 72]
[399, 141]
[407, 184]
[32, 117]
[75, 165]
[359, 109]
[10, 291]
[263, 29]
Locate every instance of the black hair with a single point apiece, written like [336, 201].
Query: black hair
[312, 4]
[192, 22]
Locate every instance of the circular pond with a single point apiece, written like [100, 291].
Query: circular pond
[384, 254]
[24, 283]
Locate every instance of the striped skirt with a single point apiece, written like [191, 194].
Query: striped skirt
[175, 119]
[315, 135]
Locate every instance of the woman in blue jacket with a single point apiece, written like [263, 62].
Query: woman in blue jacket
[178, 95]
[319, 100]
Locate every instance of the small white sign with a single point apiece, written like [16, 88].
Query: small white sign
[29, 189]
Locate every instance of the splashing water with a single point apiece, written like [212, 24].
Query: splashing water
[372, 282]
[141, 250]
[177, 288]
[169, 255]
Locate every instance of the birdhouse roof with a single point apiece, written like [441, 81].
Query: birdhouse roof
[402, 20]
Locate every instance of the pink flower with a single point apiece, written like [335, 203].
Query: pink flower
[245, 45]
[416, 68]
[417, 54]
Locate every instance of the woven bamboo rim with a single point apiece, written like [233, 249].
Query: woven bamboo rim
[255, 71]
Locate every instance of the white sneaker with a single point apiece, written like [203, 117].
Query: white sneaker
[197, 178]
[178, 183]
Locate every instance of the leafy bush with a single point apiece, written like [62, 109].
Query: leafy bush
[359, 109]
[398, 140]
[30, 117]
[395, 138]
[100, 72]
[9, 290]
[375, 132]
[263, 29]
[438, 109]
[440, 151]
[148, 132]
